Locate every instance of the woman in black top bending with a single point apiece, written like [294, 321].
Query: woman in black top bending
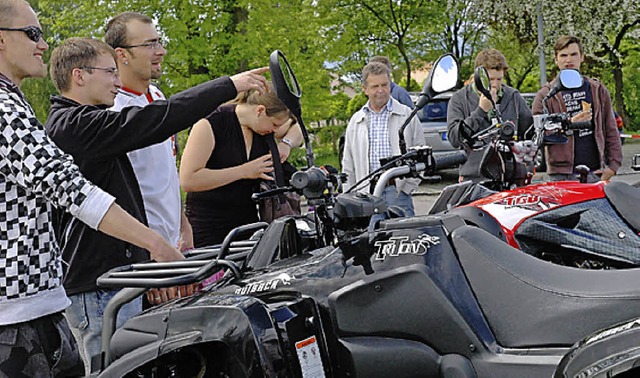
[224, 160]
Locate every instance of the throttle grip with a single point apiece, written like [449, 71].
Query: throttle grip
[449, 160]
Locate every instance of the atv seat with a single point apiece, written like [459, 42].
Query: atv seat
[625, 199]
[530, 302]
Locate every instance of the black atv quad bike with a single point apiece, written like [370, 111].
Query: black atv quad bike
[325, 296]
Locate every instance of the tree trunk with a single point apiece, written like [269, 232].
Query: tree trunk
[407, 65]
[620, 106]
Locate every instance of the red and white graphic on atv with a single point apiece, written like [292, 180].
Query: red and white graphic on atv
[512, 207]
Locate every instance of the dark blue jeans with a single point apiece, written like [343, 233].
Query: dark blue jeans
[393, 197]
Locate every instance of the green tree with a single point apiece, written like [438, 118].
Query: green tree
[463, 33]
[359, 29]
[602, 27]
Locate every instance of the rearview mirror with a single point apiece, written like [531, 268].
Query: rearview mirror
[570, 79]
[482, 82]
[288, 90]
[445, 74]
[442, 77]
[567, 79]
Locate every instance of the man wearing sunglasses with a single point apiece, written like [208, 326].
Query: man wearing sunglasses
[35, 175]
[84, 72]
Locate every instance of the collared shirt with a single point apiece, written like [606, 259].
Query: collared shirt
[379, 144]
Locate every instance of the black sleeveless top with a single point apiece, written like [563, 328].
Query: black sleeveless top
[213, 213]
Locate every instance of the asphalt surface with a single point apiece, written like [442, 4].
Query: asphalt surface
[427, 193]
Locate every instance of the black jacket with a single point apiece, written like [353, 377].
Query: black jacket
[463, 109]
[98, 140]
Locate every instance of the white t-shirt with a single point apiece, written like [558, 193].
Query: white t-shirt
[155, 169]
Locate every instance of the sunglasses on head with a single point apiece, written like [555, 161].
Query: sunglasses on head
[34, 33]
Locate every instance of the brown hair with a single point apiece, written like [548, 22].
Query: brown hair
[75, 53]
[9, 10]
[565, 41]
[375, 68]
[381, 59]
[115, 34]
[269, 100]
[491, 59]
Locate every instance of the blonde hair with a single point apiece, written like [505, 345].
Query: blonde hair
[269, 100]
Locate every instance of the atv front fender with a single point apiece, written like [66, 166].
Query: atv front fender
[242, 324]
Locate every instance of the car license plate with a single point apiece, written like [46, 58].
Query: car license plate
[444, 135]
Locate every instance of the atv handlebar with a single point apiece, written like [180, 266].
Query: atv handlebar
[579, 125]
[558, 122]
[443, 161]
[449, 160]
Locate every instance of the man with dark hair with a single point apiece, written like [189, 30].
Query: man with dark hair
[599, 147]
[397, 92]
[85, 73]
[470, 112]
[139, 55]
[373, 133]
[34, 175]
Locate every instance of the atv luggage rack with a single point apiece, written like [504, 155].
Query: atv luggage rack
[199, 264]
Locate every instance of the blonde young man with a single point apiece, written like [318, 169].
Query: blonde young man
[139, 57]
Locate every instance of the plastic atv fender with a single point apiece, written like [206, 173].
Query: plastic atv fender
[230, 320]
[606, 353]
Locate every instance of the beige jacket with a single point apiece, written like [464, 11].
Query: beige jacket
[355, 162]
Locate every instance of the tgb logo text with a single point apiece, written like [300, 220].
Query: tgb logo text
[400, 245]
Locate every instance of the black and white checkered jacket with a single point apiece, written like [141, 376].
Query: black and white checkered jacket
[34, 175]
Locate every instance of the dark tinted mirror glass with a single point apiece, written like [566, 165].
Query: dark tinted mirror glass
[482, 81]
[285, 83]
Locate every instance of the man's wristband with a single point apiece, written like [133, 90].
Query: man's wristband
[287, 142]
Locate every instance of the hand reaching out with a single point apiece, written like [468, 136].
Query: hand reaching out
[252, 79]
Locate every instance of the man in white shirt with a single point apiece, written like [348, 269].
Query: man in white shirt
[139, 58]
